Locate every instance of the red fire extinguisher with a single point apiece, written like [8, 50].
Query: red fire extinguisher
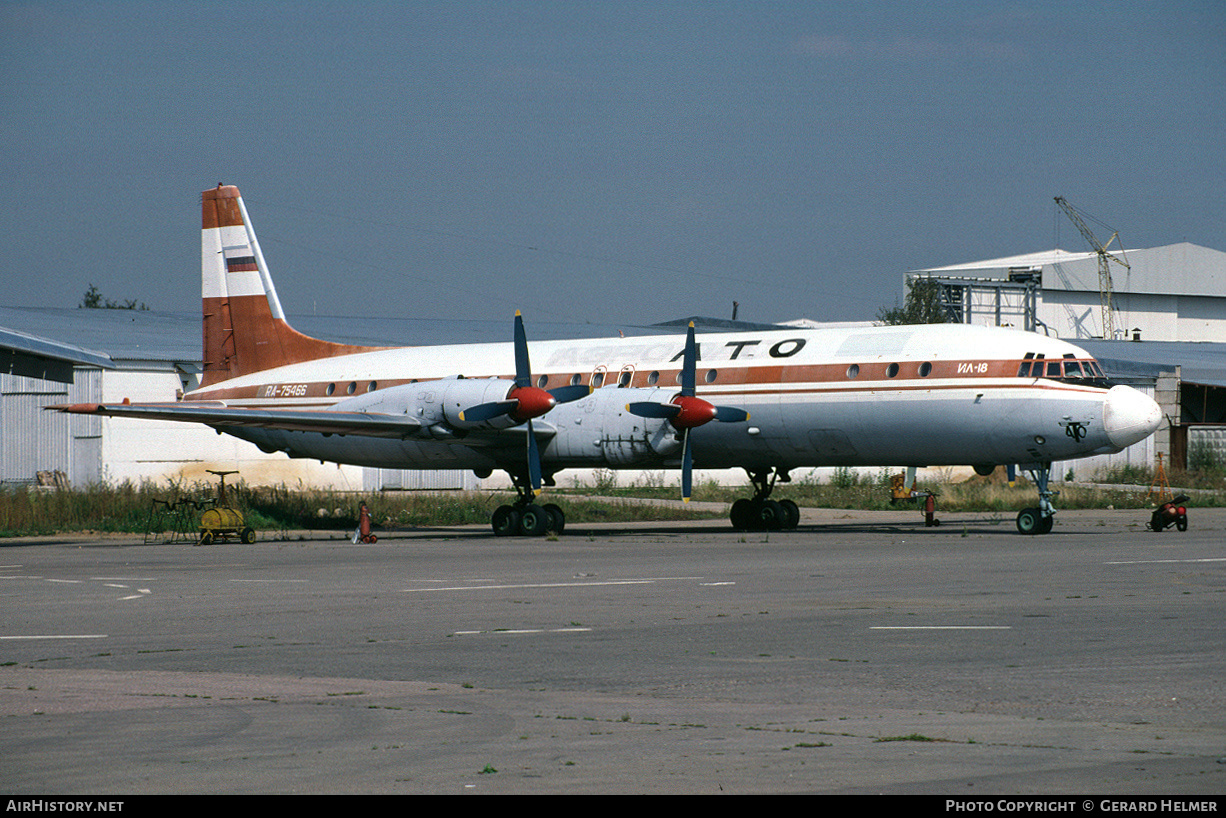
[363, 533]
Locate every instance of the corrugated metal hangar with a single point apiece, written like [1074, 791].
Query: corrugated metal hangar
[1172, 293]
[138, 355]
[1169, 308]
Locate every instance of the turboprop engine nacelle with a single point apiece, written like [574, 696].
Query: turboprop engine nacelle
[599, 431]
[435, 403]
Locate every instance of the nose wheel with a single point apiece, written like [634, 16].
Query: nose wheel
[1039, 520]
[1032, 521]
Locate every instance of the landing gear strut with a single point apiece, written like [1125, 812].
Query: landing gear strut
[524, 517]
[1038, 520]
[760, 513]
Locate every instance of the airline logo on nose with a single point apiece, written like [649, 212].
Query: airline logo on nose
[1075, 429]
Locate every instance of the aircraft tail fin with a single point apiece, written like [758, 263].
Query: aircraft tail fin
[245, 329]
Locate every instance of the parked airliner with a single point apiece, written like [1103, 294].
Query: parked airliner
[769, 402]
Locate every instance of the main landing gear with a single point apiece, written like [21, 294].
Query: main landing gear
[1038, 520]
[760, 513]
[525, 517]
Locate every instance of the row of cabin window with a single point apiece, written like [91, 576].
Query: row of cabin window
[891, 371]
[352, 388]
[623, 380]
[1032, 367]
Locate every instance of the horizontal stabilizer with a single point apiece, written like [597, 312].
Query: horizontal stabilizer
[218, 415]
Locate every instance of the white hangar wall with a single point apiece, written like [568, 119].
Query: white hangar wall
[1150, 316]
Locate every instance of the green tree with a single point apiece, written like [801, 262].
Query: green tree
[93, 300]
[921, 306]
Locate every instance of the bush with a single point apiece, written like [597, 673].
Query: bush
[1204, 457]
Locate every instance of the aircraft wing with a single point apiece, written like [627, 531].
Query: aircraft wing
[220, 416]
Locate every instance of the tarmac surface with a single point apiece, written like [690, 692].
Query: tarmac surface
[861, 653]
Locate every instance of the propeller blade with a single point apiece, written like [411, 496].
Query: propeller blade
[688, 412]
[687, 466]
[689, 363]
[730, 414]
[523, 370]
[530, 401]
[566, 394]
[534, 461]
[485, 411]
[654, 410]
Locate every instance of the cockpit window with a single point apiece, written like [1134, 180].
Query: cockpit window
[1068, 369]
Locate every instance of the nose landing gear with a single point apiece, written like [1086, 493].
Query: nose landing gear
[1038, 520]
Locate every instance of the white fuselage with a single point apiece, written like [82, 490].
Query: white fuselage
[913, 395]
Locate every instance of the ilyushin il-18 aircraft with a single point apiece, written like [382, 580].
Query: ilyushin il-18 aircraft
[768, 402]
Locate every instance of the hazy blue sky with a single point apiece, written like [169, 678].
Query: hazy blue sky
[608, 161]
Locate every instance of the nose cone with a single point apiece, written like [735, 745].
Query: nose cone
[1129, 416]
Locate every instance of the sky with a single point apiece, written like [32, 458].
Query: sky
[612, 162]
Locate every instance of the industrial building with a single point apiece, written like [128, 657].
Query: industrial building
[1172, 293]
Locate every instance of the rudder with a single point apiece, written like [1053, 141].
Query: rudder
[244, 327]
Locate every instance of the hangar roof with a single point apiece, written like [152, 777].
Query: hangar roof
[31, 356]
[1001, 266]
[25, 343]
[1199, 362]
[1173, 269]
[118, 335]
[132, 337]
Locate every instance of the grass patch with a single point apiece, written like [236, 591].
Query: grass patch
[129, 508]
[847, 489]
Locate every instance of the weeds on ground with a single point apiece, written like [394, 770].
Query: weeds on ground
[127, 507]
[131, 508]
[851, 489]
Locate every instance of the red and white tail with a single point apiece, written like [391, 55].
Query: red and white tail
[244, 327]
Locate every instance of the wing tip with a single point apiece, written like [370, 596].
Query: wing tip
[75, 408]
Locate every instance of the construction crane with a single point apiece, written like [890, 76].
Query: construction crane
[1104, 267]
